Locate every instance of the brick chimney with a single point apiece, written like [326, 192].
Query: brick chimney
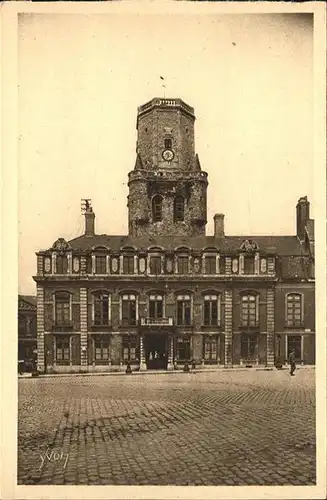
[89, 221]
[219, 225]
[302, 216]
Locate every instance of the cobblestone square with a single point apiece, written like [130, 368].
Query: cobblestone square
[215, 428]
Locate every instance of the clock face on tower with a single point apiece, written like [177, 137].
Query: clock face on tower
[168, 155]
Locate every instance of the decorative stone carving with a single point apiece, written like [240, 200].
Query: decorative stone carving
[76, 265]
[249, 246]
[142, 265]
[114, 265]
[47, 264]
[197, 265]
[26, 306]
[263, 265]
[169, 266]
[61, 246]
[235, 265]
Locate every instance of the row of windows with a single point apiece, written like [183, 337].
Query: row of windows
[131, 348]
[156, 264]
[211, 309]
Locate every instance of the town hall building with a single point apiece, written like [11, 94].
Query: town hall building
[166, 295]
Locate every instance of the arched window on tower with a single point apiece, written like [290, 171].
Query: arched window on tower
[157, 208]
[179, 208]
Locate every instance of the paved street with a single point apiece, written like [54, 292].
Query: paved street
[217, 428]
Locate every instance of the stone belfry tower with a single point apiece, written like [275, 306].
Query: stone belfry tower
[167, 188]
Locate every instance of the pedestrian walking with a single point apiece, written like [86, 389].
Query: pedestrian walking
[291, 360]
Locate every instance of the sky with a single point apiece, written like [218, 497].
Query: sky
[82, 77]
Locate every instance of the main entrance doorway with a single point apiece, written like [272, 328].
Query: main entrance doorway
[156, 351]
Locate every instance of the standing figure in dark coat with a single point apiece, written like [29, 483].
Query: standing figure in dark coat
[291, 360]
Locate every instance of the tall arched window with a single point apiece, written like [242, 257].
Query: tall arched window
[101, 308]
[249, 310]
[179, 208]
[294, 309]
[157, 208]
[62, 308]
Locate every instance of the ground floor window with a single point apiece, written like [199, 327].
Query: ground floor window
[249, 344]
[63, 349]
[130, 348]
[101, 348]
[294, 342]
[210, 348]
[183, 348]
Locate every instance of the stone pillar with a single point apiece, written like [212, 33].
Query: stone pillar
[70, 263]
[142, 354]
[53, 263]
[228, 265]
[271, 266]
[40, 327]
[241, 264]
[228, 327]
[270, 326]
[170, 365]
[40, 264]
[83, 264]
[83, 321]
[257, 263]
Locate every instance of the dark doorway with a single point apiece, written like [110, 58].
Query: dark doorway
[156, 352]
[249, 347]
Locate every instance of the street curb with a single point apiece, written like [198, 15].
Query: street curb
[162, 372]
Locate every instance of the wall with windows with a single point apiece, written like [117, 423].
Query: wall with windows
[295, 322]
[306, 305]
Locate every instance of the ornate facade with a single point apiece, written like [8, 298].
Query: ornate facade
[166, 294]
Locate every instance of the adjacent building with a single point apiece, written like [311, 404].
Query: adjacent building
[166, 294]
[27, 338]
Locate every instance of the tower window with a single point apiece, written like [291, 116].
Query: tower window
[157, 208]
[179, 208]
[168, 143]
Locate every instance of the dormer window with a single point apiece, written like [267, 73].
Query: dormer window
[168, 143]
[179, 208]
[128, 264]
[210, 264]
[248, 265]
[157, 208]
[61, 264]
[100, 264]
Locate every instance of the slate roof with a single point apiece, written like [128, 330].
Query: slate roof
[29, 298]
[281, 245]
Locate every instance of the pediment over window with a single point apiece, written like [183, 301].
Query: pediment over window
[23, 305]
[249, 246]
[128, 248]
[183, 249]
[100, 248]
[155, 249]
[210, 250]
[61, 245]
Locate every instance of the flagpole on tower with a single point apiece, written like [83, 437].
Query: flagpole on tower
[163, 85]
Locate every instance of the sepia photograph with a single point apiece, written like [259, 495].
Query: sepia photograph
[166, 202]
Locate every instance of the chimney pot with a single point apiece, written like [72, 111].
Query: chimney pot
[89, 222]
[302, 216]
[219, 225]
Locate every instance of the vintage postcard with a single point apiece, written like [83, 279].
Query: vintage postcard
[164, 247]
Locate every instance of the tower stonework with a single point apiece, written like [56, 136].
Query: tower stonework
[167, 188]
